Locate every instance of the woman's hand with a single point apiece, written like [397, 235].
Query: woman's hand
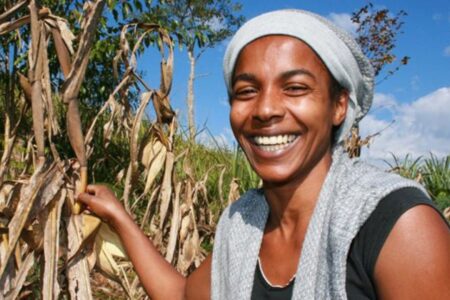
[101, 200]
[158, 277]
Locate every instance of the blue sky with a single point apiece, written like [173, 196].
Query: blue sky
[417, 97]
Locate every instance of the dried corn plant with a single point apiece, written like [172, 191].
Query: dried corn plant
[47, 248]
[38, 229]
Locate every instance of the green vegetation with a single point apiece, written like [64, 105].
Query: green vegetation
[432, 172]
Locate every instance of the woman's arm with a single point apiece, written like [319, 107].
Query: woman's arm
[414, 262]
[159, 278]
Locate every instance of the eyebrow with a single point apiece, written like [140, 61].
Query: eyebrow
[244, 77]
[285, 75]
[288, 74]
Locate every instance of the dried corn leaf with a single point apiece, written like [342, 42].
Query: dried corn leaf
[5, 192]
[33, 236]
[111, 103]
[134, 150]
[154, 156]
[190, 247]
[166, 65]
[89, 25]
[66, 34]
[79, 285]
[6, 283]
[26, 87]
[120, 175]
[124, 45]
[186, 225]
[54, 182]
[166, 188]
[89, 225]
[51, 288]
[108, 130]
[147, 209]
[108, 247]
[116, 64]
[19, 281]
[151, 150]
[14, 24]
[52, 120]
[28, 196]
[72, 87]
[62, 51]
[174, 224]
[36, 72]
[233, 194]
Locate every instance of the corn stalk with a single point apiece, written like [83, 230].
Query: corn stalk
[46, 246]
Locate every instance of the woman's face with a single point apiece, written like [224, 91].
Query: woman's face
[281, 111]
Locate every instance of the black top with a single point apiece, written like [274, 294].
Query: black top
[363, 251]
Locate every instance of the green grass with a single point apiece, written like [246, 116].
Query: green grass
[432, 172]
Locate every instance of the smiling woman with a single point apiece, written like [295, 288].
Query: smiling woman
[322, 226]
[281, 110]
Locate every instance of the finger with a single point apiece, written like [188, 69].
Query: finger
[93, 188]
[85, 198]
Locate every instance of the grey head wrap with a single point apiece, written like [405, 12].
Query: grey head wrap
[337, 49]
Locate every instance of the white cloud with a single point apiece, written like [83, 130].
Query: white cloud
[344, 21]
[420, 127]
[383, 101]
[447, 51]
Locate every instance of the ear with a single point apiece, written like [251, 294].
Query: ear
[340, 108]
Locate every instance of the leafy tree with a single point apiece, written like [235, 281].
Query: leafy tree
[101, 82]
[197, 25]
[377, 35]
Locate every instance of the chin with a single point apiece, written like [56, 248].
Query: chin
[277, 176]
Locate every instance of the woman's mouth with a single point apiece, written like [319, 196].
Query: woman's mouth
[274, 142]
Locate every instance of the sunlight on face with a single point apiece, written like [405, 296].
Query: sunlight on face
[281, 112]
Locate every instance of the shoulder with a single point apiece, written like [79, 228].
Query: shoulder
[414, 261]
[372, 235]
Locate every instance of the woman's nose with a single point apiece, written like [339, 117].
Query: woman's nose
[268, 107]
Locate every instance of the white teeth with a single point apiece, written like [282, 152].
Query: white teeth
[274, 143]
[273, 148]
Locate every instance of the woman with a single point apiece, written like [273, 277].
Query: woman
[322, 226]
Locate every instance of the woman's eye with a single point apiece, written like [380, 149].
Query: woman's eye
[244, 93]
[296, 89]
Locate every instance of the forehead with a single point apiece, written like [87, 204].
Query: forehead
[279, 51]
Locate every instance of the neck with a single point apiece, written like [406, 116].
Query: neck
[292, 204]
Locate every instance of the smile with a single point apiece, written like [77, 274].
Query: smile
[275, 142]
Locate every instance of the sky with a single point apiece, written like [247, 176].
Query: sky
[411, 108]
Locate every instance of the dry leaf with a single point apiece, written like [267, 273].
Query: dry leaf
[108, 247]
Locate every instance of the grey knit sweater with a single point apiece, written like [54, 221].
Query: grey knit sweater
[351, 191]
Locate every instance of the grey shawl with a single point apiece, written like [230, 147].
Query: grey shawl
[351, 191]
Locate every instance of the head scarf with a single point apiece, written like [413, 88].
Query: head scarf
[337, 49]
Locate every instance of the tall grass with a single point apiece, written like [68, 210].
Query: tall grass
[432, 172]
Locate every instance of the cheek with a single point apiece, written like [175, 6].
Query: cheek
[237, 117]
[307, 112]
[312, 115]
